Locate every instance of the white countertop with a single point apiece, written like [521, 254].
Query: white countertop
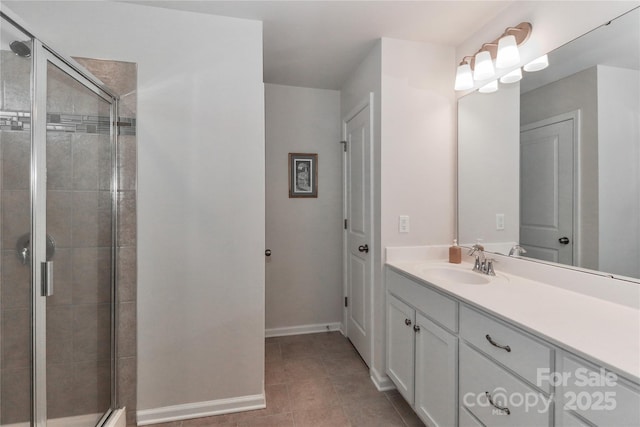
[594, 328]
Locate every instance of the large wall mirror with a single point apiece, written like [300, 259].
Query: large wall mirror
[552, 163]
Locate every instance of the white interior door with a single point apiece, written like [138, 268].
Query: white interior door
[546, 191]
[359, 254]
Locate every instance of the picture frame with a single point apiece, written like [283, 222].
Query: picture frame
[303, 175]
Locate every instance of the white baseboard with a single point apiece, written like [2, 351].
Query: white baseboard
[303, 329]
[382, 382]
[200, 409]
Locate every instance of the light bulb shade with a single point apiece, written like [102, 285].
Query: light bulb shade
[508, 54]
[512, 77]
[464, 78]
[489, 87]
[483, 68]
[537, 64]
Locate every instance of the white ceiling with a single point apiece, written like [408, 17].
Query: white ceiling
[317, 44]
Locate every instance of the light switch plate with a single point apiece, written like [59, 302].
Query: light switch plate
[499, 221]
[403, 223]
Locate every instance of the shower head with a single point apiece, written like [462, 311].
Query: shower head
[20, 48]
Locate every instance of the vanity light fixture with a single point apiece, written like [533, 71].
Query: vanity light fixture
[504, 50]
[537, 64]
[489, 87]
[483, 69]
[512, 77]
[464, 78]
[508, 54]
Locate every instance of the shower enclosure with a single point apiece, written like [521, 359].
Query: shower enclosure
[58, 185]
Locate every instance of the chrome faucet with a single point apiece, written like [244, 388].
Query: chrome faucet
[482, 265]
[478, 250]
[517, 250]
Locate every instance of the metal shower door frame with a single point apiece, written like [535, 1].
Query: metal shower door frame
[42, 55]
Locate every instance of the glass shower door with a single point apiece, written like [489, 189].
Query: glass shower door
[15, 214]
[57, 240]
[79, 241]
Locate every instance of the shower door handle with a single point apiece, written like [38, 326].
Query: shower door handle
[47, 278]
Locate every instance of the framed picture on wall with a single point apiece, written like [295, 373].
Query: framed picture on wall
[303, 175]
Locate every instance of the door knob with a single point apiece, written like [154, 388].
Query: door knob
[267, 252]
[363, 248]
[564, 240]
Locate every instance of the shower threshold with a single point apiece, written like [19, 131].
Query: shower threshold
[115, 420]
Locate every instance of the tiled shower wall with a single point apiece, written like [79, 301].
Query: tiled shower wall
[78, 217]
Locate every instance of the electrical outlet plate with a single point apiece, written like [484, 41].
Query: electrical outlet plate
[499, 221]
[403, 223]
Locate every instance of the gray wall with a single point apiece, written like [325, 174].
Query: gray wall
[304, 275]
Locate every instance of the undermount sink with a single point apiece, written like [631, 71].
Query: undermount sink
[449, 274]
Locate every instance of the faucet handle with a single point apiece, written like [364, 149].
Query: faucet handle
[517, 250]
[489, 266]
[476, 248]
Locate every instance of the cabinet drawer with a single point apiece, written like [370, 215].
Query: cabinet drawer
[478, 375]
[522, 353]
[434, 305]
[597, 395]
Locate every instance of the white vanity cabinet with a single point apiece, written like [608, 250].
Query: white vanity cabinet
[422, 356]
[588, 395]
[458, 365]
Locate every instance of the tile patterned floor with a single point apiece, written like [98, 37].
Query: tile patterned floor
[316, 380]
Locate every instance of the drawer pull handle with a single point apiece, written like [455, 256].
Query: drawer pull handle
[495, 344]
[503, 409]
[407, 322]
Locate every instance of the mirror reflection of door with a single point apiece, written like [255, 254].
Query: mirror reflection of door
[547, 191]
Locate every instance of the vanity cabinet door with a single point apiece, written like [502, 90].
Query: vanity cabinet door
[436, 374]
[588, 392]
[401, 346]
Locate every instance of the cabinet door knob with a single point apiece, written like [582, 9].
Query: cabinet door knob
[364, 248]
[563, 240]
[495, 344]
[407, 322]
[267, 252]
[416, 328]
